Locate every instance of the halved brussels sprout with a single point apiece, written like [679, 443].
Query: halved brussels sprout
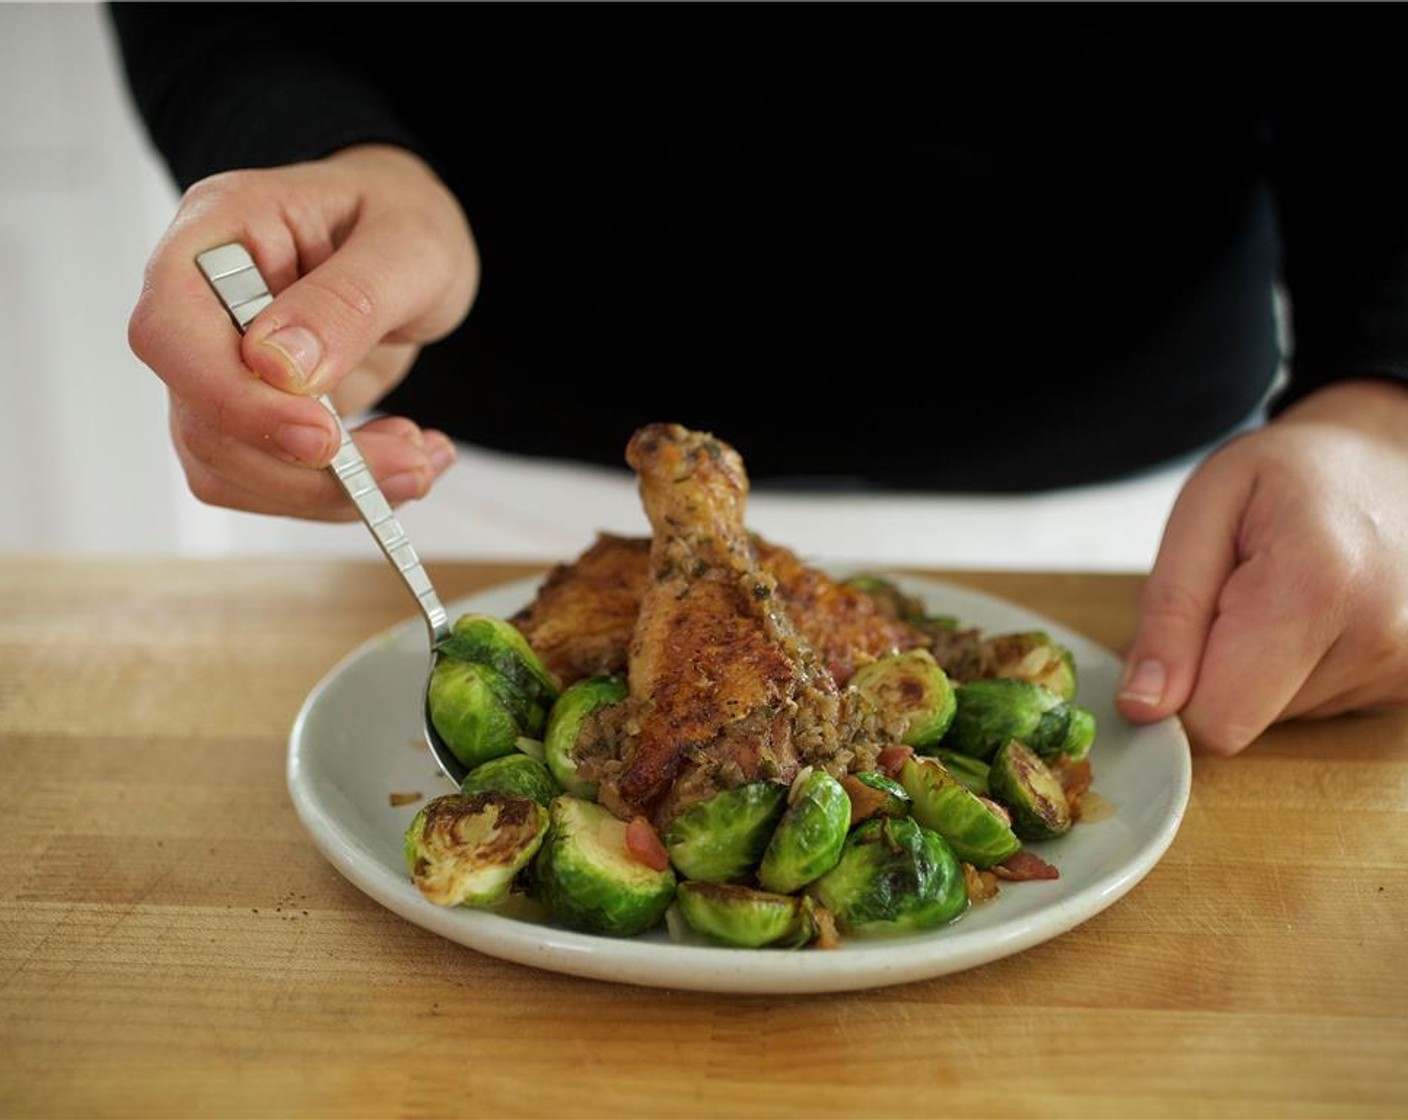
[467, 850]
[972, 772]
[485, 640]
[1028, 789]
[978, 831]
[513, 773]
[565, 725]
[992, 711]
[736, 915]
[910, 689]
[873, 794]
[1029, 655]
[807, 840]
[478, 712]
[722, 839]
[589, 880]
[894, 877]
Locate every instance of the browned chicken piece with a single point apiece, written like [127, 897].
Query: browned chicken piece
[723, 690]
[844, 625]
[581, 620]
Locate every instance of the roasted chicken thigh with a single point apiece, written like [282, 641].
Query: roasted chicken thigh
[581, 620]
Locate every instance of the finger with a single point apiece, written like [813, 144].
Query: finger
[180, 331]
[1263, 648]
[316, 495]
[223, 471]
[1179, 599]
[386, 282]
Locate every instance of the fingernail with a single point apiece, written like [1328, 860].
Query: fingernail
[404, 487]
[1144, 682]
[299, 352]
[441, 453]
[306, 443]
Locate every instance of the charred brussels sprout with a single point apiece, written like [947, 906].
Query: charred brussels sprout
[485, 640]
[736, 915]
[589, 880]
[566, 724]
[1030, 655]
[513, 773]
[912, 690]
[488, 689]
[1025, 785]
[972, 772]
[467, 850]
[478, 713]
[992, 711]
[873, 794]
[723, 839]
[894, 877]
[977, 830]
[807, 840]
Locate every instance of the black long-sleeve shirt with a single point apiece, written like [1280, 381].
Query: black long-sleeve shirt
[983, 247]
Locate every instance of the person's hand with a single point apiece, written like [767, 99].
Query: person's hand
[369, 257]
[1281, 586]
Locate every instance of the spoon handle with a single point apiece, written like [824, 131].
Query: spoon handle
[242, 290]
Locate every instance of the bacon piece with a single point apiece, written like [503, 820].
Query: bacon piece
[643, 842]
[1023, 866]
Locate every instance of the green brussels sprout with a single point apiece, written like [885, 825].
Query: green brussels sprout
[723, 839]
[468, 850]
[992, 711]
[485, 640]
[894, 876]
[741, 916]
[587, 877]
[977, 830]
[578, 701]
[873, 794]
[807, 840]
[478, 712]
[1028, 789]
[972, 772]
[513, 773]
[1029, 655]
[912, 689]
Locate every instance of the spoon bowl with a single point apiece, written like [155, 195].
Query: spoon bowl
[240, 286]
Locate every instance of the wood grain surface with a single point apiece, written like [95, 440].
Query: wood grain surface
[171, 943]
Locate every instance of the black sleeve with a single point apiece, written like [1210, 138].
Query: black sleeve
[1342, 193]
[224, 86]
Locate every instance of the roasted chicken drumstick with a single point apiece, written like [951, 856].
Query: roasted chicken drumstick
[723, 688]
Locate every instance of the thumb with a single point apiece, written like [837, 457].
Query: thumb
[378, 286]
[1179, 600]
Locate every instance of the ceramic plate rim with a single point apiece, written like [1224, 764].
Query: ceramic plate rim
[335, 822]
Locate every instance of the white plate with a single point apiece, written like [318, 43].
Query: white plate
[356, 743]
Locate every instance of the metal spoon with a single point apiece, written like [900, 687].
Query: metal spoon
[241, 288]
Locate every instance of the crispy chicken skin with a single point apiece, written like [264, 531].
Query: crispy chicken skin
[845, 626]
[722, 689]
[581, 620]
